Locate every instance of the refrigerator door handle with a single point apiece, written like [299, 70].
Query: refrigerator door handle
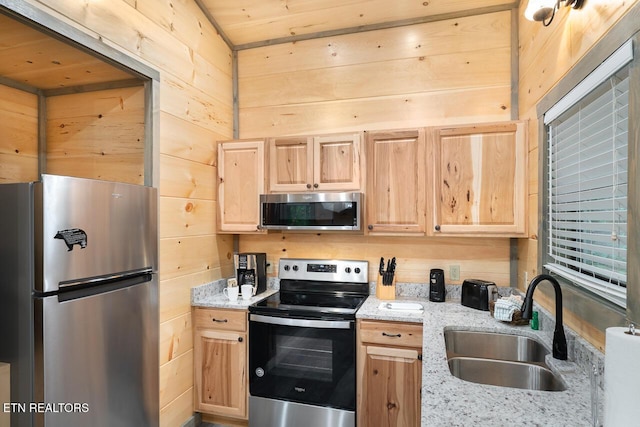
[97, 288]
[87, 281]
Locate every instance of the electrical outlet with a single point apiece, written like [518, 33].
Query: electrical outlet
[454, 272]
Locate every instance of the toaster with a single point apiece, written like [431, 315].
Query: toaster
[477, 293]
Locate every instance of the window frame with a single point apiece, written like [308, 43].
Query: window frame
[590, 93]
[628, 29]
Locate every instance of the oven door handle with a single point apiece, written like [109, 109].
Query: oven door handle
[307, 323]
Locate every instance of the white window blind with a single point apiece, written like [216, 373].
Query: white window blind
[587, 201]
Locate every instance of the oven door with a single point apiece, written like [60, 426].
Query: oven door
[302, 360]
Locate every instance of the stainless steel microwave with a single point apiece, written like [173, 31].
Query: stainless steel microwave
[311, 211]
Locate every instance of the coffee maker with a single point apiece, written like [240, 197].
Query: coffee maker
[251, 269]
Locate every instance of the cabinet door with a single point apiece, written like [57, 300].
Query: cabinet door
[240, 183]
[391, 387]
[480, 180]
[395, 194]
[290, 164]
[336, 162]
[220, 361]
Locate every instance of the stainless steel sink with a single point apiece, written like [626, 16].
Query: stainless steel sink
[500, 359]
[488, 345]
[504, 373]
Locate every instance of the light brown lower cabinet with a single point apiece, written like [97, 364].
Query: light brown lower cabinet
[389, 373]
[220, 362]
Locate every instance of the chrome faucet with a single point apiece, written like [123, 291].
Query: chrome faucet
[559, 340]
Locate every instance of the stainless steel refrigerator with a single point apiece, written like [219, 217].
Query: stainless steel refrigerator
[79, 302]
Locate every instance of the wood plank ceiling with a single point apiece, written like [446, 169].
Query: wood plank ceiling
[33, 59]
[251, 23]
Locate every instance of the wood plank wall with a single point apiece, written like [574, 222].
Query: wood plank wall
[545, 56]
[18, 135]
[482, 258]
[448, 72]
[195, 111]
[97, 135]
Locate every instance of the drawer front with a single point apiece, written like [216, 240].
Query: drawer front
[391, 333]
[228, 320]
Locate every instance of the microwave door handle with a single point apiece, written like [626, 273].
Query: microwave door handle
[306, 323]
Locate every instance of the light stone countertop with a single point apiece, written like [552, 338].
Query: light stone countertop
[369, 310]
[210, 296]
[449, 401]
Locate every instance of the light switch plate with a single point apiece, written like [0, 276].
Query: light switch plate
[454, 272]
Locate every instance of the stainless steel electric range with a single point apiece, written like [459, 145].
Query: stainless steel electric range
[302, 345]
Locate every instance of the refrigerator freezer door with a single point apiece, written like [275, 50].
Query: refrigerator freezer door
[99, 358]
[92, 229]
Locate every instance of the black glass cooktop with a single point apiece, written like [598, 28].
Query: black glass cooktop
[309, 305]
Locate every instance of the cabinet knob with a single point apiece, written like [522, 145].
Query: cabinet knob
[219, 320]
[437, 228]
[370, 227]
[239, 339]
[308, 185]
[315, 185]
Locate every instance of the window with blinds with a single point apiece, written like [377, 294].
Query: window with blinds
[587, 183]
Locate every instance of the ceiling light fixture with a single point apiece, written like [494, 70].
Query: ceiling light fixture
[544, 10]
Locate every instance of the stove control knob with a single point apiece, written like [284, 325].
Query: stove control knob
[347, 270]
[356, 270]
[295, 268]
[286, 267]
[259, 372]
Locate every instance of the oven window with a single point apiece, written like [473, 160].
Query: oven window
[297, 356]
[303, 364]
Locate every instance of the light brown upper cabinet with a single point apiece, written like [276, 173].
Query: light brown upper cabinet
[315, 163]
[240, 183]
[479, 179]
[396, 182]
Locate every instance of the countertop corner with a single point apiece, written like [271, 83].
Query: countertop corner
[369, 310]
[210, 296]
